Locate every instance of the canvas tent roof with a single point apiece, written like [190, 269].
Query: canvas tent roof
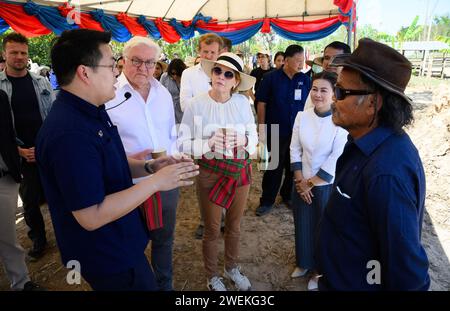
[173, 20]
[222, 10]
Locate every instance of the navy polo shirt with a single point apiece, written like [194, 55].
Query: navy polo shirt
[375, 212]
[278, 91]
[81, 160]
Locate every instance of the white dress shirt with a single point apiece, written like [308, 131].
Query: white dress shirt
[316, 145]
[143, 124]
[194, 81]
[203, 116]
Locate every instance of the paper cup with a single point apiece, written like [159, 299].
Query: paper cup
[158, 153]
[262, 157]
[226, 130]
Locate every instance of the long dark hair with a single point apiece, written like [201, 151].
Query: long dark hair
[395, 112]
[176, 65]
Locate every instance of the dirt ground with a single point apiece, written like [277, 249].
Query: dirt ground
[267, 243]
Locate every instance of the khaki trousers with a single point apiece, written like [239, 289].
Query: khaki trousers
[212, 214]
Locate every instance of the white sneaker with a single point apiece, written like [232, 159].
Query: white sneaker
[299, 272]
[241, 281]
[313, 283]
[216, 284]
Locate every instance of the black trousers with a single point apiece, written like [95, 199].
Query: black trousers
[32, 196]
[272, 178]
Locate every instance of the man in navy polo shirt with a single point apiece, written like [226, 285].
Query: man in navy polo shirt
[369, 238]
[86, 175]
[280, 96]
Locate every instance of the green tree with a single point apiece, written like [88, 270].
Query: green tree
[410, 33]
[367, 31]
[441, 26]
[441, 29]
[40, 47]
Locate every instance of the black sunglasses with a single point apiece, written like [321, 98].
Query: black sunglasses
[227, 74]
[341, 93]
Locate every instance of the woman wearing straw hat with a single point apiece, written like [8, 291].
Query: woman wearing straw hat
[219, 129]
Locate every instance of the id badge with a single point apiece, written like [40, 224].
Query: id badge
[298, 94]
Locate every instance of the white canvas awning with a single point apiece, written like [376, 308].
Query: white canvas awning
[222, 10]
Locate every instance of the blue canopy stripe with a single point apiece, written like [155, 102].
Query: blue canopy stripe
[306, 36]
[110, 23]
[150, 26]
[49, 17]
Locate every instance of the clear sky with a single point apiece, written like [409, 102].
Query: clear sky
[390, 15]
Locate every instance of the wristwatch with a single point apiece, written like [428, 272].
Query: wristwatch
[310, 183]
[148, 167]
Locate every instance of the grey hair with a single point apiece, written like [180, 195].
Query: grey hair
[135, 41]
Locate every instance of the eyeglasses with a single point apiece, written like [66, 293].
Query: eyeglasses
[149, 64]
[113, 66]
[341, 93]
[174, 73]
[227, 74]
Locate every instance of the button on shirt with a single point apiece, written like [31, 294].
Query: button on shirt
[194, 81]
[144, 124]
[375, 212]
[278, 91]
[81, 160]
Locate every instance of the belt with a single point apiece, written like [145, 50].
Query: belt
[3, 173]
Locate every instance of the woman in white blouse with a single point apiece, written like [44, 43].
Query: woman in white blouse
[315, 147]
[218, 129]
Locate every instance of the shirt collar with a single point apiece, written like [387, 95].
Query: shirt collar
[322, 115]
[293, 77]
[122, 81]
[369, 142]
[80, 104]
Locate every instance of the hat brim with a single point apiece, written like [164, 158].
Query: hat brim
[344, 60]
[247, 81]
[316, 61]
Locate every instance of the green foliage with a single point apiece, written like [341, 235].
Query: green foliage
[183, 48]
[39, 49]
[367, 31]
[410, 33]
[441, 26]
[117, 48]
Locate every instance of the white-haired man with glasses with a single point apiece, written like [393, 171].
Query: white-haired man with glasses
[146, 123]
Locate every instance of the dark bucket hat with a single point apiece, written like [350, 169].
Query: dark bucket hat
[380, 63]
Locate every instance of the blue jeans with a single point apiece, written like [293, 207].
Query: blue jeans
[162, 241]
[138, 278]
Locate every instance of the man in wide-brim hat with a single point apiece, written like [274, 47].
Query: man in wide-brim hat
[370, 233]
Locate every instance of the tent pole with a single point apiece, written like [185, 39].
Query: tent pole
[350, 27]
